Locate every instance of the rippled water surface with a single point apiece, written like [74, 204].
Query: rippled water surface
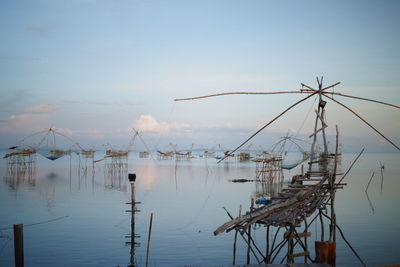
[74, 214]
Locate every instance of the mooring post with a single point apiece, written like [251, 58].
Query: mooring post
[19, 245]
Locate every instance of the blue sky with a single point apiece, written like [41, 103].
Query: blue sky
[95, 69]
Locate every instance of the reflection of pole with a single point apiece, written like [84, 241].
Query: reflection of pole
[132, 259]
[133, 210]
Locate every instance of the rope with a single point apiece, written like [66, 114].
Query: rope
[266, 125]
[372, 127]
[33, 224]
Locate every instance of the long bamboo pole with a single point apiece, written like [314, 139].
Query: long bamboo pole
[330, 86]
[349, 109]
[243, 93]
[266, 125]
[363, 98]
[308, 87]
[351, 166]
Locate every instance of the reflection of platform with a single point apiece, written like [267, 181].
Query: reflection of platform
[115, 174]
[116, 169]
[89, 154]
[20, 165]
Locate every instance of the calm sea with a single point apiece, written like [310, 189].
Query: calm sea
[74, 213]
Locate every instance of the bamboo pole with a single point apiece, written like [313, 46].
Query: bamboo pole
[267, 245]
[362, 98]
[330, 86]
[332, 232]
[366, 189]
[148, 240]
[381, 167]
[244, 239]
[322, 225]
[305, 237]
[273, 244]
[266, 125]
[243, 93]
[351, 166]
[235, 240]
[249, 234]
[349, 109]
[308, 87]
[316, 122]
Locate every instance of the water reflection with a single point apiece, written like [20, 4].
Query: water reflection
[21, 168]
[188, 218]
[115, 172]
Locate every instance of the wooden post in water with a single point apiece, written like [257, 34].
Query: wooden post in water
[19, 245]
[148, 240]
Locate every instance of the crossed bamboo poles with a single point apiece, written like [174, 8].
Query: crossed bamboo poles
[311, 92]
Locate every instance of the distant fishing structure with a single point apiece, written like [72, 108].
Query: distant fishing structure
[174, 153]
[310, 194]
[116, 161]
[47, 144]
[21, 161]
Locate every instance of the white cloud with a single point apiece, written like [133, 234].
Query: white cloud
[104, 103]
[24, 122]
[147, 123]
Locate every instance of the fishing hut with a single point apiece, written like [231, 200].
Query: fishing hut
[287, 218]
[165, 155]
[183, 155]
[209, 154]
[179, 155]
[88, 154]
[144, 154]
[116, 162]
[244, 156]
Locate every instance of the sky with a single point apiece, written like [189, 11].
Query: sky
[96, 69]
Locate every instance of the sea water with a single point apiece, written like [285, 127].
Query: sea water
[74, 211]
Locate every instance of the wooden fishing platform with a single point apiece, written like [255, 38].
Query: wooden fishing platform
[310, 196]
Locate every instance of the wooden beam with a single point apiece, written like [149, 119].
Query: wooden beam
[243, 93]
